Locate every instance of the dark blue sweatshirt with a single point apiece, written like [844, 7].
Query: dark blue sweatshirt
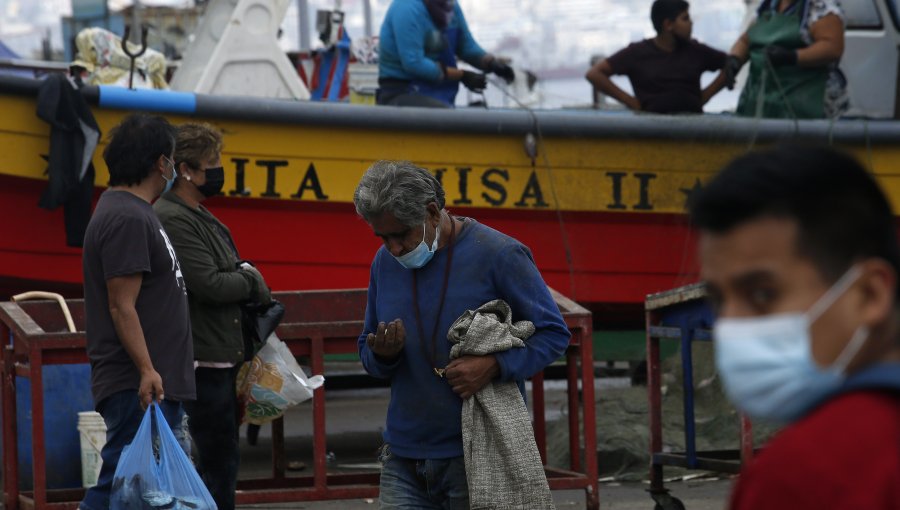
[423, 420]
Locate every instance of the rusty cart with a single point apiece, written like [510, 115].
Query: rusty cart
[316, 324]
[682, 314]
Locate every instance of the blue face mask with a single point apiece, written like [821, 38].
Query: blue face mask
[766, 363]
[421, 254]
[170, 182]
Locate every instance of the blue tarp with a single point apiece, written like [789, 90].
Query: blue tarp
[332, 71]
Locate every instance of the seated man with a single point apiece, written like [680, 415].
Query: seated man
[418, 46]
[664, 71]
[799, 252]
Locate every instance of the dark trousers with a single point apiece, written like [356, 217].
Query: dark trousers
[123, 414]
[212, 420]
[402, 93]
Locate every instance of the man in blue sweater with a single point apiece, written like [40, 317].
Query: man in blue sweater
[418, 46]
[432, 268]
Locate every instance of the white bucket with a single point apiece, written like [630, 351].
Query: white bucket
[93, 437]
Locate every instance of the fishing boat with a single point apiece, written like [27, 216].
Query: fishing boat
[601, 203]
[598, 196]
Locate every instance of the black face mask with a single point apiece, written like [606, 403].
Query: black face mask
[215, 179]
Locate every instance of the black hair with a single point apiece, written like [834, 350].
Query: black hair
[134, 147]
[663, 10]
[841, 213]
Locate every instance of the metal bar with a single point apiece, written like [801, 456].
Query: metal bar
[367, 15]
[557, 473]
[10, 428]
[665, 332]
[654, 395]
[746, 440]
[22, 369]
[308, 481]
[296, 495]
[701, 334]
[687, 384]
[711, 454]
[34, 65]
[572, 394]
[715, 128]
[57, 498]
[320, 447]
[592, 491]
[303, 20]
[573, 483]
[279, 464]
[38, 450]
[723, 466]
[540, 419]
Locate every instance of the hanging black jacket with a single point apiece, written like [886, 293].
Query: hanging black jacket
[73, 137]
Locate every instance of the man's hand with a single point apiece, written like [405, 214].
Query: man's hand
[732, 68]
[502, 69]
[151, 386]
[468, 374]
[476, 82]
[388, 340]
[779, 56]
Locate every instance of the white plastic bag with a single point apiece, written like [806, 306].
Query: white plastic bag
[272, 382]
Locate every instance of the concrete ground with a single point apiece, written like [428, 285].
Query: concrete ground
[696, 495]
[354, 422]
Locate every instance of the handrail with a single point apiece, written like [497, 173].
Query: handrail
[33, 65]
[561, 123]
[37, 294]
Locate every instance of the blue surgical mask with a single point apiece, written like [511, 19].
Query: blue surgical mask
[170, 182]
[421, 254]
[766, 363]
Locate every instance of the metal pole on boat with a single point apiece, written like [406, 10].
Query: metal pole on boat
[367, 13]
[136, 21]
[303, 20]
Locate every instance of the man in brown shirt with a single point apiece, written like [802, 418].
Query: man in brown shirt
[664, 71]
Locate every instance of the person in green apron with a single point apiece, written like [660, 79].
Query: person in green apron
[793, 47]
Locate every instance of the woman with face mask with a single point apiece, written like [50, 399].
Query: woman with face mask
[217, 285]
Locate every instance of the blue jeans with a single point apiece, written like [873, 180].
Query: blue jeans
[429, 484]
[123, 414]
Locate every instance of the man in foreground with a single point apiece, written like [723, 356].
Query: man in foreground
[432, 268]
[799, 252]
[136, 314]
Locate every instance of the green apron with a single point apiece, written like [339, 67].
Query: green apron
[787, 91]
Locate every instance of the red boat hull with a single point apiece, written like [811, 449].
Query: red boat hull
[600, 259]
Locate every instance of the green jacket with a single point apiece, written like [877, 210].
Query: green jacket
[216, 287]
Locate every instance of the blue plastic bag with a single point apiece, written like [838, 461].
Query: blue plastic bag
[154, 472]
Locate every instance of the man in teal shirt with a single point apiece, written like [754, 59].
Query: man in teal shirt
[419, 43]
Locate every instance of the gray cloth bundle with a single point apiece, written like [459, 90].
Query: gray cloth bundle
[503, 466]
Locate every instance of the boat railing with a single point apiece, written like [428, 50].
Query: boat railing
[38, 66]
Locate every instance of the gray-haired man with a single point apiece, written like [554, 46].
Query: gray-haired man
[432, 268]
